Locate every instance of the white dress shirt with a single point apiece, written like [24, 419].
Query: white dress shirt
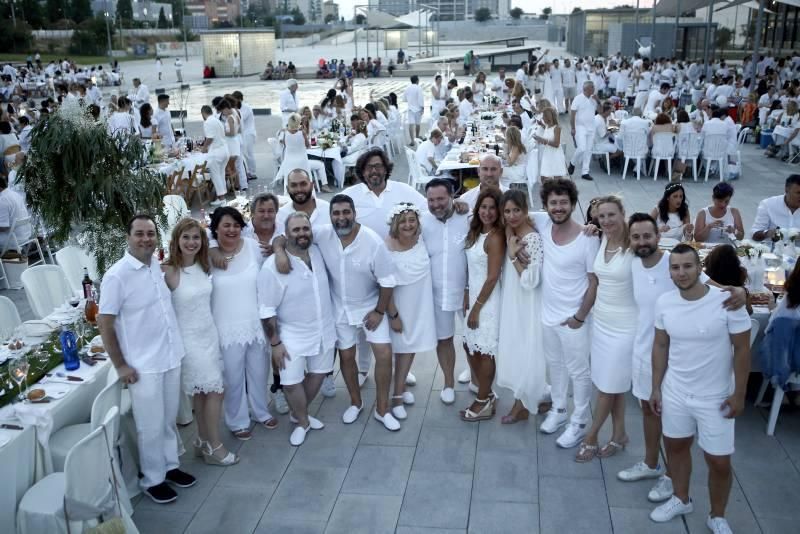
[301, 300]
[141, 95]
[163, 120]
[288, 102]
[145, 322]
[372, 209]
[584, 109]
[357, 272]
[415, 98]
[248, 119]
[319, 217]
[445, 244]
[772, 213]
[465, 109]
[214, 130]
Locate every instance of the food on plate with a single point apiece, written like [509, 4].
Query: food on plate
[36, 394]
[96, 349]
[474, 162]
[15, 345]
[760, 299]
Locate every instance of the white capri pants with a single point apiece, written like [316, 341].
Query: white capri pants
[567, 353]
[582, 157]
[216, 168]
[295, 369]
[248, 151]
[245, 371]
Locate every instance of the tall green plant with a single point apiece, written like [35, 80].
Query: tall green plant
[81, 181]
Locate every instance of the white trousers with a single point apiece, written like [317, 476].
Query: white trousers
[216, 168]
[584, 138]
[245, 374]
[558, 98]
[248, 152]
[154, 400]
[241, 172]
[567, 353]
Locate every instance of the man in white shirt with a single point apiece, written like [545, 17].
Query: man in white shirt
[25, 134]
[248, 136]
[603, 142]
[426, 152]
[416, 106]
[644, 80]
[556, 85]
[140, 93]
[581, 120]
[301, 191]
[490, 171]
[521, 75]
[296, 311]
[569, 82]
[701, 362]
[217, 151]
[12, 209]
[141, 336]
[94, 94]
[781, 211]
[163, 121]
[444, 230]
[654, 100]
[179, 69]
[288, 100]
[499, 85]
[466, 107]
[718, 126]
[569, 286]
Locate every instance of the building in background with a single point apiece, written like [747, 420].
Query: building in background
[330, 9]
[311, 9]
[253, 46]
[143, 11]
[215, 11]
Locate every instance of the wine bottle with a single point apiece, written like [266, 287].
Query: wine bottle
[87, 284]
[90, 311]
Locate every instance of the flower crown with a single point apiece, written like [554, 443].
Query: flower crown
[400, 208]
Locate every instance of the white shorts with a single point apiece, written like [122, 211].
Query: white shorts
[642, 378]
[298, 366]
[569, 92]
[683, 416]
[414, 117]
[445, 322]
[347, 334]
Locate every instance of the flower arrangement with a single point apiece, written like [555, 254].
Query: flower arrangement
[399, 209]
[494, 100]
[327, 139]
[242, 205]
[751, 249]
[81, 182]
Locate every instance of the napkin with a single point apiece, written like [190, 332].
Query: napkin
[32, 414]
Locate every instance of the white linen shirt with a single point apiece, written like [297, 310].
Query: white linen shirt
[772, 213]
[164, 123]
[445, 244]
[356, 272]
[372, 209]
[415, 98]
[288, 102]
[214, 130]
[319, 217]
[145, 323]
[584, 109]
[301, 300]
[248, 119]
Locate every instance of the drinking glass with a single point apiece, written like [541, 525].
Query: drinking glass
[18, 371]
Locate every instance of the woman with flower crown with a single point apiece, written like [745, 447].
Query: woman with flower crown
[411, 310]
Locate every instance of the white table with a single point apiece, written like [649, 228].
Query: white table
[185, 164]
[335, 155]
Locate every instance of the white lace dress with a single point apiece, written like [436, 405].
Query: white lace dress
[201, 367]
[413, 297]
[483, 339]
[234, 141]
[552, 158]
[521, 365]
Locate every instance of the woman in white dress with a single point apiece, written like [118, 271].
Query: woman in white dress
[479, 88]
[521, 366]
[234, 307]
[514, 171]
[411, 308]
[715, 223]
[623, 79]
[672, 213]
[186, 273]
[295, 144]
[231, 124]
[613, 330]
[376, 132]
[551, 157]
[485, 248]
[146, 127]
[356, 142]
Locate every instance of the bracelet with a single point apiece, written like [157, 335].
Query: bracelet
[276, 344]
[514, 259]
[380, 312]
[577, 319]
[395, 316]
[479, 302]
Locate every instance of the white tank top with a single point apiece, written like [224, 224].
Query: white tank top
[718, 235]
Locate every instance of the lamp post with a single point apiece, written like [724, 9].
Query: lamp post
[108, 33]
[13, 15]
[183, 23]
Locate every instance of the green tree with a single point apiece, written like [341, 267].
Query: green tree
[360, 19]
[15, 38]
[177, 12]
[482, 14]
[516, 13]
[723, 37]
[329, 18]
[125, 10]
[546, 12]
[31, 12]
[298, 18]
[54, 9]
[80, 10]
[162, 19]
[90, 38]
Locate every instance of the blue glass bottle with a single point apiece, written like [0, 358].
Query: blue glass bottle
[69, 348]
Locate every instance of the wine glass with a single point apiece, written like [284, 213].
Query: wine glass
[18, 371]
[80, 329]
[74, 301]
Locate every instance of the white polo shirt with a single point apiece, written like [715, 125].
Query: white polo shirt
[415, 98]
[584, 109]
[319, 217]
[214, 130]
[301, 300]
[772, 213]
[700, 360]
[145, 322]
[445, 243]
[164, 122]
[372, 209]
[356, 272]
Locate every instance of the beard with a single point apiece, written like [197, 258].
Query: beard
[300, 197]
[301, 243]
[374, 180]
[344, 228]
[645, 251]
[559, 218]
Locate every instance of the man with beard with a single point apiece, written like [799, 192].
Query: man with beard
[651, 279]
[701, 361]
[362, 278]
[569, 286]
[295, 310]
[301, 191]
[444, 230]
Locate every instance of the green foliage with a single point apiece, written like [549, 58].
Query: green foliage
[32, 13]
[80, 10]
[298, 18]
[79, 179]
[723, 37]
[177, 12]
[54, 9]
[516, 13]
[546, 12]
[482, 14]
[15, 38]
[90, 38]
[162, 19]
[125, 10]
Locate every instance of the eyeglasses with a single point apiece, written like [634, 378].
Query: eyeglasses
[375, 167]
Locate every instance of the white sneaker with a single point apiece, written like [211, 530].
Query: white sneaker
[465, 376]
[408, 397]
[313, 422]
[388, 420]
[328, 388]
[448, 396]
[362, 379]
[672, 508]
[572, 436]
[662, 490]
[411, 380]
[473, 388]
[399, 412]
[351, 414]
[640, 471]
[553, 421]
[298, 436]
[279, 399]
[718, 525]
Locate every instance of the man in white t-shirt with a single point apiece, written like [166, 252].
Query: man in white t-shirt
[569, 82]
[581, 120]
[781, 211]
[701, 362]
[248, 136]
[415, 99]
[217, 151]
[490, 171]
[654, 100]
[569, 286]
[521, 75]
[163, 121]
[499, 85]
[426, 152]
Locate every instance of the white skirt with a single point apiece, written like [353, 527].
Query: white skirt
[414, 302]
[234, 146]
[612, 359]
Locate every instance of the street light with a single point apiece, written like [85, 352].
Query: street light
[108, 34]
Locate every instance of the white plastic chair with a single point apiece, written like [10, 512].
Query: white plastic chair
[73, 259]
[777, 400]
[603, 153]
[620, 115]
[9, 317]
[22, 245]
[416, 177]
[634, 147]
[46, 287]
[663, 150]
[715, 148]
[743, 134]
[62, 441]
[688, 148]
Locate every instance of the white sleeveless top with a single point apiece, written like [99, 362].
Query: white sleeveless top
[718, 235]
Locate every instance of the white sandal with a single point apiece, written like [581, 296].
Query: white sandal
[208, 456]
[199, 446]
[487, 412]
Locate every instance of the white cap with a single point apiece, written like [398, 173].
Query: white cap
[290, 82]
[722, 101]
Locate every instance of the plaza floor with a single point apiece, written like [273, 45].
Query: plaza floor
[441, 475]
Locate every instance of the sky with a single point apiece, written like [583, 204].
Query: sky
[565, 6]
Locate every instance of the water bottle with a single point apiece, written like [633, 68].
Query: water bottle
[69, 348]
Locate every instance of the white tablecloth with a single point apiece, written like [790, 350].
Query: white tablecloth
[333, 154]
[186, 164]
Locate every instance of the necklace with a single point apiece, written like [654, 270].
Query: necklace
[613, 251]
